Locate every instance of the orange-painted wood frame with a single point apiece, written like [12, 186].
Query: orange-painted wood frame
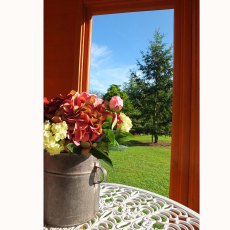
[67, 41]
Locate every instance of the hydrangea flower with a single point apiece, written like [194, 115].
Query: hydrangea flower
[54, 135]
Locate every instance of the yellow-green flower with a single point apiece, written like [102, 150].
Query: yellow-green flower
[126, 124]
[47, 125]
[54, 135]
[55, 148]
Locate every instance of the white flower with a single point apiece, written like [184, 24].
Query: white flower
[127, 123]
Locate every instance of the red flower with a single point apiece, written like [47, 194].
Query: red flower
[51, 108]
[84, 114]
[88, 125]
[119, 121]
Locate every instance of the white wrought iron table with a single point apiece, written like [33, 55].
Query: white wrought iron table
[126, 208]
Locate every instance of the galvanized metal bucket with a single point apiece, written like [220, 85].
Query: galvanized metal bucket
[71, 189]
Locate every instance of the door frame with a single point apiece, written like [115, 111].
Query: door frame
[72, 19]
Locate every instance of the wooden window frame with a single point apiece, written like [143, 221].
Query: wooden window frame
[72, 61]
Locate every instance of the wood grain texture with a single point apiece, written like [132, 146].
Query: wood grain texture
[87, 49]
[194, 172]
[62, 26]
[184, 178]
[98, 7]
[181, 104]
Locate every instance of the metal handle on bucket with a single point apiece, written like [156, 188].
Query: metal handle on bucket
[104, 173]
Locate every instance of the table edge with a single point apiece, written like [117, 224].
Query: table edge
[190, 211]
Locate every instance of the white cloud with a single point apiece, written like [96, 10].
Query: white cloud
[96, 85]
[104, 71]
[99, 55]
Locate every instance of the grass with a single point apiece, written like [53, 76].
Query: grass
[148, 138]
[141, 166]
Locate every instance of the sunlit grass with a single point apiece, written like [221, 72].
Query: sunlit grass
[146, 167]
[148, 138]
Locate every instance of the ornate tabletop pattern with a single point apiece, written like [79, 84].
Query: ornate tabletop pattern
[126, 208]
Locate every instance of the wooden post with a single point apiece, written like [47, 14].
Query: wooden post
[67, 33]
[184, 178]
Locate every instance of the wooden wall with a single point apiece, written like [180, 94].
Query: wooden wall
[62, 25]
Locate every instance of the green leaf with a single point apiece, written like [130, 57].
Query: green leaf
[105, 131]
[123, 140]
[101, 154]
[109, 119]
[106, 125]
[104, 146]
[73, 148]
[111, 136]
[122, 136]
[121, 133]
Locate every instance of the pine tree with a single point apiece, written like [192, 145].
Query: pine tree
[154, 96]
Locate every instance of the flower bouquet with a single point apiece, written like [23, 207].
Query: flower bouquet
[83, 123]
[79, 129]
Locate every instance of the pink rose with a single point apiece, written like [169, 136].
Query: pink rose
[116, 103]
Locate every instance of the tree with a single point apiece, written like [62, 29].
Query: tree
[134, 92]
[154, 87]
[96, 92]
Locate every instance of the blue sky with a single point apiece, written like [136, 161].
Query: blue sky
[117, 40]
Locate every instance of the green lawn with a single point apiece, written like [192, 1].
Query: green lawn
[146, 167]
[148, 138]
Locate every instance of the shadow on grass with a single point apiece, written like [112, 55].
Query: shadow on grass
[136, 143]
[139, 143]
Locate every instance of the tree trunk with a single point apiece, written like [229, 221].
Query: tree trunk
[156, 138]
[152, 137]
